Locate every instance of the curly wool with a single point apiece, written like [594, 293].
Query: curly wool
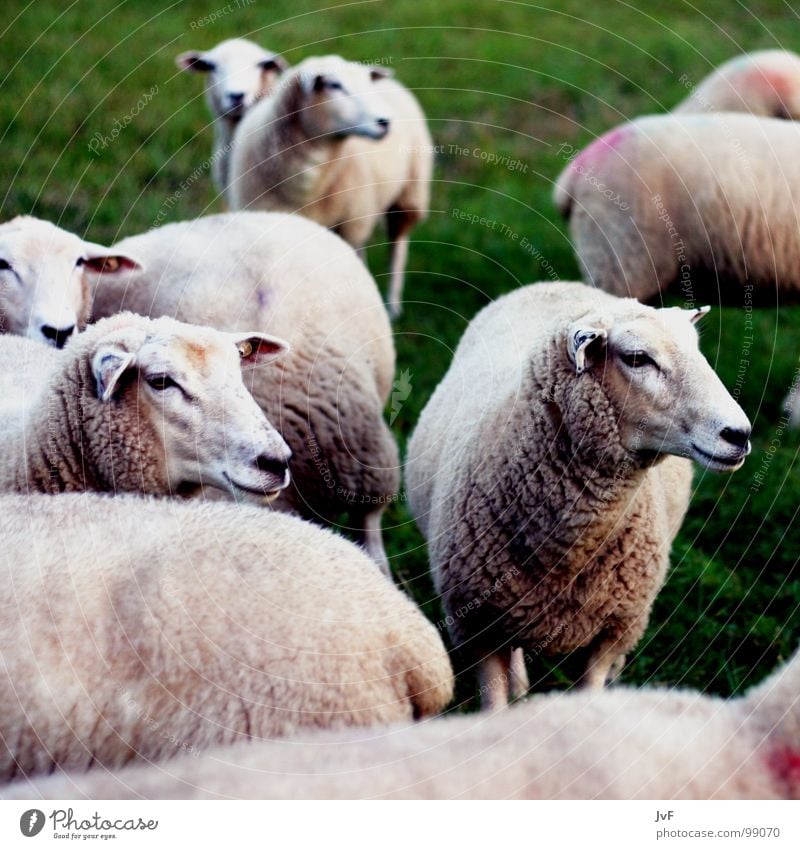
[219, 623]
[543, 531]
[613, 744]
[288, 276]
[58, 436]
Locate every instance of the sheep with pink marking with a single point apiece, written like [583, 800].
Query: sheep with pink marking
[648, 743]
[766, 83]
[688, 200]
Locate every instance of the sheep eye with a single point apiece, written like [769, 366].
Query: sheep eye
[637, 359]
[4, 265]
[334, 86]
[161, 382]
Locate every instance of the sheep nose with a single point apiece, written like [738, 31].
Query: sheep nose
[383, 123]
[237, 98]
[57, 335]
[736, 436]
[272, 466]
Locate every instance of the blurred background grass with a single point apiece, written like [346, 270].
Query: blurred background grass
[508, 79]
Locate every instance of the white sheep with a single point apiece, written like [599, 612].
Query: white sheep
[625, 743]
[238, 73]
[766, 82]
[539, 473]
[287, 275]
[341, 143]
[43, 278]
[683, 200]
[141, 628]
[138, 405]
[667, 199]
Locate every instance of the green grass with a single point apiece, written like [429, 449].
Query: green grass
[509, 78]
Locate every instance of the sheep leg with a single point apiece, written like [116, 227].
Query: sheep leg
[616, 668]
[518, 681]
[397, 277]
[493, 673]
[372, 538]
[398, 224]
[605, 663]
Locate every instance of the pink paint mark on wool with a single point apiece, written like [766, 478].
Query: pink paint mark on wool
[784, 763]
[764, 78]
[600, 148]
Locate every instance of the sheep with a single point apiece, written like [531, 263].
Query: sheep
[135, 405]
[626, 743]
[289, 276]
[765, 83]
[24, 367]
[138, 628]
[43, 279]
[343, 144]
[539, 473]
[239, 72]
[665, 200]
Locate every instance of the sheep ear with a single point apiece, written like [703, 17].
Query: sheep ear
[696, 315]
[257, 348]
[108, 365]
[581, 338]
[107, 261]
[194, 61]
[378, 72]
[274, 63]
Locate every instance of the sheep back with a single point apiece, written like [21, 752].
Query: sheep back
[285, 275]
[689, 200]
[213, 624]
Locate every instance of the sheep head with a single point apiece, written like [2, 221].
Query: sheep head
[667, 398]
[166, 403]
[339, 98]
[44, 279]
[239, 72]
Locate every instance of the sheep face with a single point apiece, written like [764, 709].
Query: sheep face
[184, 386]
[340, 99]
[668, 398]
[239, 73]
[44, 285]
